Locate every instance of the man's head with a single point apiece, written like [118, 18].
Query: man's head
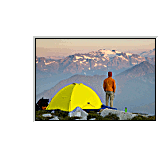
[109, 74]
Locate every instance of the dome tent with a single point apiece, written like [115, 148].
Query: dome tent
[73, 95]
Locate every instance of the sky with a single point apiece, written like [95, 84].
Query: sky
[65, 47]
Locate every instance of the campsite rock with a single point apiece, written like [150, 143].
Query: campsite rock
[55, 118]
[92, 119]
[47, 115]
[53, 112]
[78, 112]
[121, 114]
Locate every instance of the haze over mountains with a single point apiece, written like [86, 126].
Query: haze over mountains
[135, 87]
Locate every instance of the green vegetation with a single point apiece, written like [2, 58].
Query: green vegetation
[94, 115]
[67, 118]
[61, 114]
[142, 118]
[111, 117]
[99, 117]
[40, 113]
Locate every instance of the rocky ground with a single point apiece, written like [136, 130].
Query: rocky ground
[106, 114]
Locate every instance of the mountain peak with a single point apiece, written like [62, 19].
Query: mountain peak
[138, 70]
[145, 64]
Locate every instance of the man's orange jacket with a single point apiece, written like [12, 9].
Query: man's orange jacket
[109, 84]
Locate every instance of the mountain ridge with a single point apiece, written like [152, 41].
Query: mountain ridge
[93, 61]
[150, 53]
[139, 70]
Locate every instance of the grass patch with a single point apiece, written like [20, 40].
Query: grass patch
[110, 116]
[61, 114]
[100, 118]
[67, 118]
[142, 118]
[40, 113]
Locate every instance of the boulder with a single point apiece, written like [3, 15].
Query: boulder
[55, 118]
[121, 114]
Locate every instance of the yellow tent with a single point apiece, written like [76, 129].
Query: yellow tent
[73, 95]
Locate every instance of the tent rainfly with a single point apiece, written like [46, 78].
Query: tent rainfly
[74, 95]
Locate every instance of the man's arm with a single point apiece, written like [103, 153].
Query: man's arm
[104, 86]
[114, 86]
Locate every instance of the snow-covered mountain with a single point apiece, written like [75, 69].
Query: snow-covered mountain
[95, 60]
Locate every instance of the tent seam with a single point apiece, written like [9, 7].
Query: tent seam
[70, 97]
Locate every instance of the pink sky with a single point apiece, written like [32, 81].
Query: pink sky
[65, 47]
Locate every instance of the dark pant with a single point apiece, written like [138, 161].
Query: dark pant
[110, 95]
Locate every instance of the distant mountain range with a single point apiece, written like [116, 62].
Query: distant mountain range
[55, 57]
[101, 60]
[135, 87]
[150, 53]
[144, 72]
[141, 69]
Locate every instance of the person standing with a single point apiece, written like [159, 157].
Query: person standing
[109, 87]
